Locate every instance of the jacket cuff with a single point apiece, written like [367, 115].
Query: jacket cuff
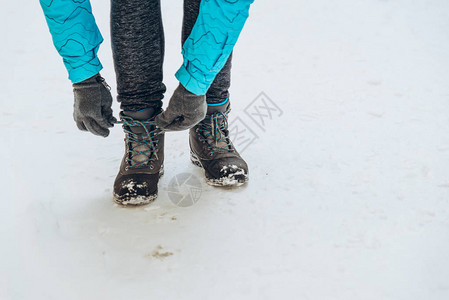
[81, 68]
[191, 83]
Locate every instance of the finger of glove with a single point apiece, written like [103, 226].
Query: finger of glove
[112, 120]
[108, 117]
[162, 120]
[81, 126]
[103, 122]
[175, 124]
[166, 120]
[95, 128]
[178, 127]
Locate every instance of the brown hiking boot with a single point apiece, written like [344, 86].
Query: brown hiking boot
[142, 164]
[212, 149]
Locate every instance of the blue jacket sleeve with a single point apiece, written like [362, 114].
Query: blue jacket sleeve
[211, 41]
[75, 36]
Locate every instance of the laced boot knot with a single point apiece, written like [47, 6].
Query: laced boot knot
[214, 131]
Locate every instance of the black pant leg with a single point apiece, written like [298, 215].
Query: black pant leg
[137, 38]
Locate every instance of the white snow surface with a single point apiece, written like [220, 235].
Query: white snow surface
[349, 188]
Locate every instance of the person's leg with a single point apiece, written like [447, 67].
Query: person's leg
[210, 145]
[219, 90]
[137, 39]
[138, 51]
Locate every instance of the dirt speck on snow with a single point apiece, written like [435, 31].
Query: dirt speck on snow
[158, 253]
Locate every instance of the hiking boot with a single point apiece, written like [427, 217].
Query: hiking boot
[212, 149]
[142, 164]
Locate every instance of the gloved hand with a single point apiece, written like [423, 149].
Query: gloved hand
[184, 111]
[92, 109]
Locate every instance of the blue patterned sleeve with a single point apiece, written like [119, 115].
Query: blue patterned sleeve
[75, 35]
[211, 41]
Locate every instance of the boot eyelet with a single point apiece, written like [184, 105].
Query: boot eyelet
[151, 167]
[126, 168]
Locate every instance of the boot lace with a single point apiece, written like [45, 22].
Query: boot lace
[142, 146]
[214, 131]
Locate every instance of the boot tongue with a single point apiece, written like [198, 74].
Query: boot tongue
[216, 120]
[141, 115]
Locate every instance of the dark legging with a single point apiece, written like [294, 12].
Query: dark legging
[137, 37]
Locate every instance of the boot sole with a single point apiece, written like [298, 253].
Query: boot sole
[234, 180]
[139, 200]
[135, 201]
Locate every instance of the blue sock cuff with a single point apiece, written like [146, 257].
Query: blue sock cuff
[218, 104]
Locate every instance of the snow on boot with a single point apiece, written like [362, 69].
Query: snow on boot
[142, 164]
[212, 149]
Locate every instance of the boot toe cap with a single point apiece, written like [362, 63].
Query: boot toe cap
[227, 172]
[136, 189]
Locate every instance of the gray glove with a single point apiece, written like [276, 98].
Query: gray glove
[184, 111]
[92, 109]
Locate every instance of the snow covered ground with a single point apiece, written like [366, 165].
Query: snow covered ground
[349, 183]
